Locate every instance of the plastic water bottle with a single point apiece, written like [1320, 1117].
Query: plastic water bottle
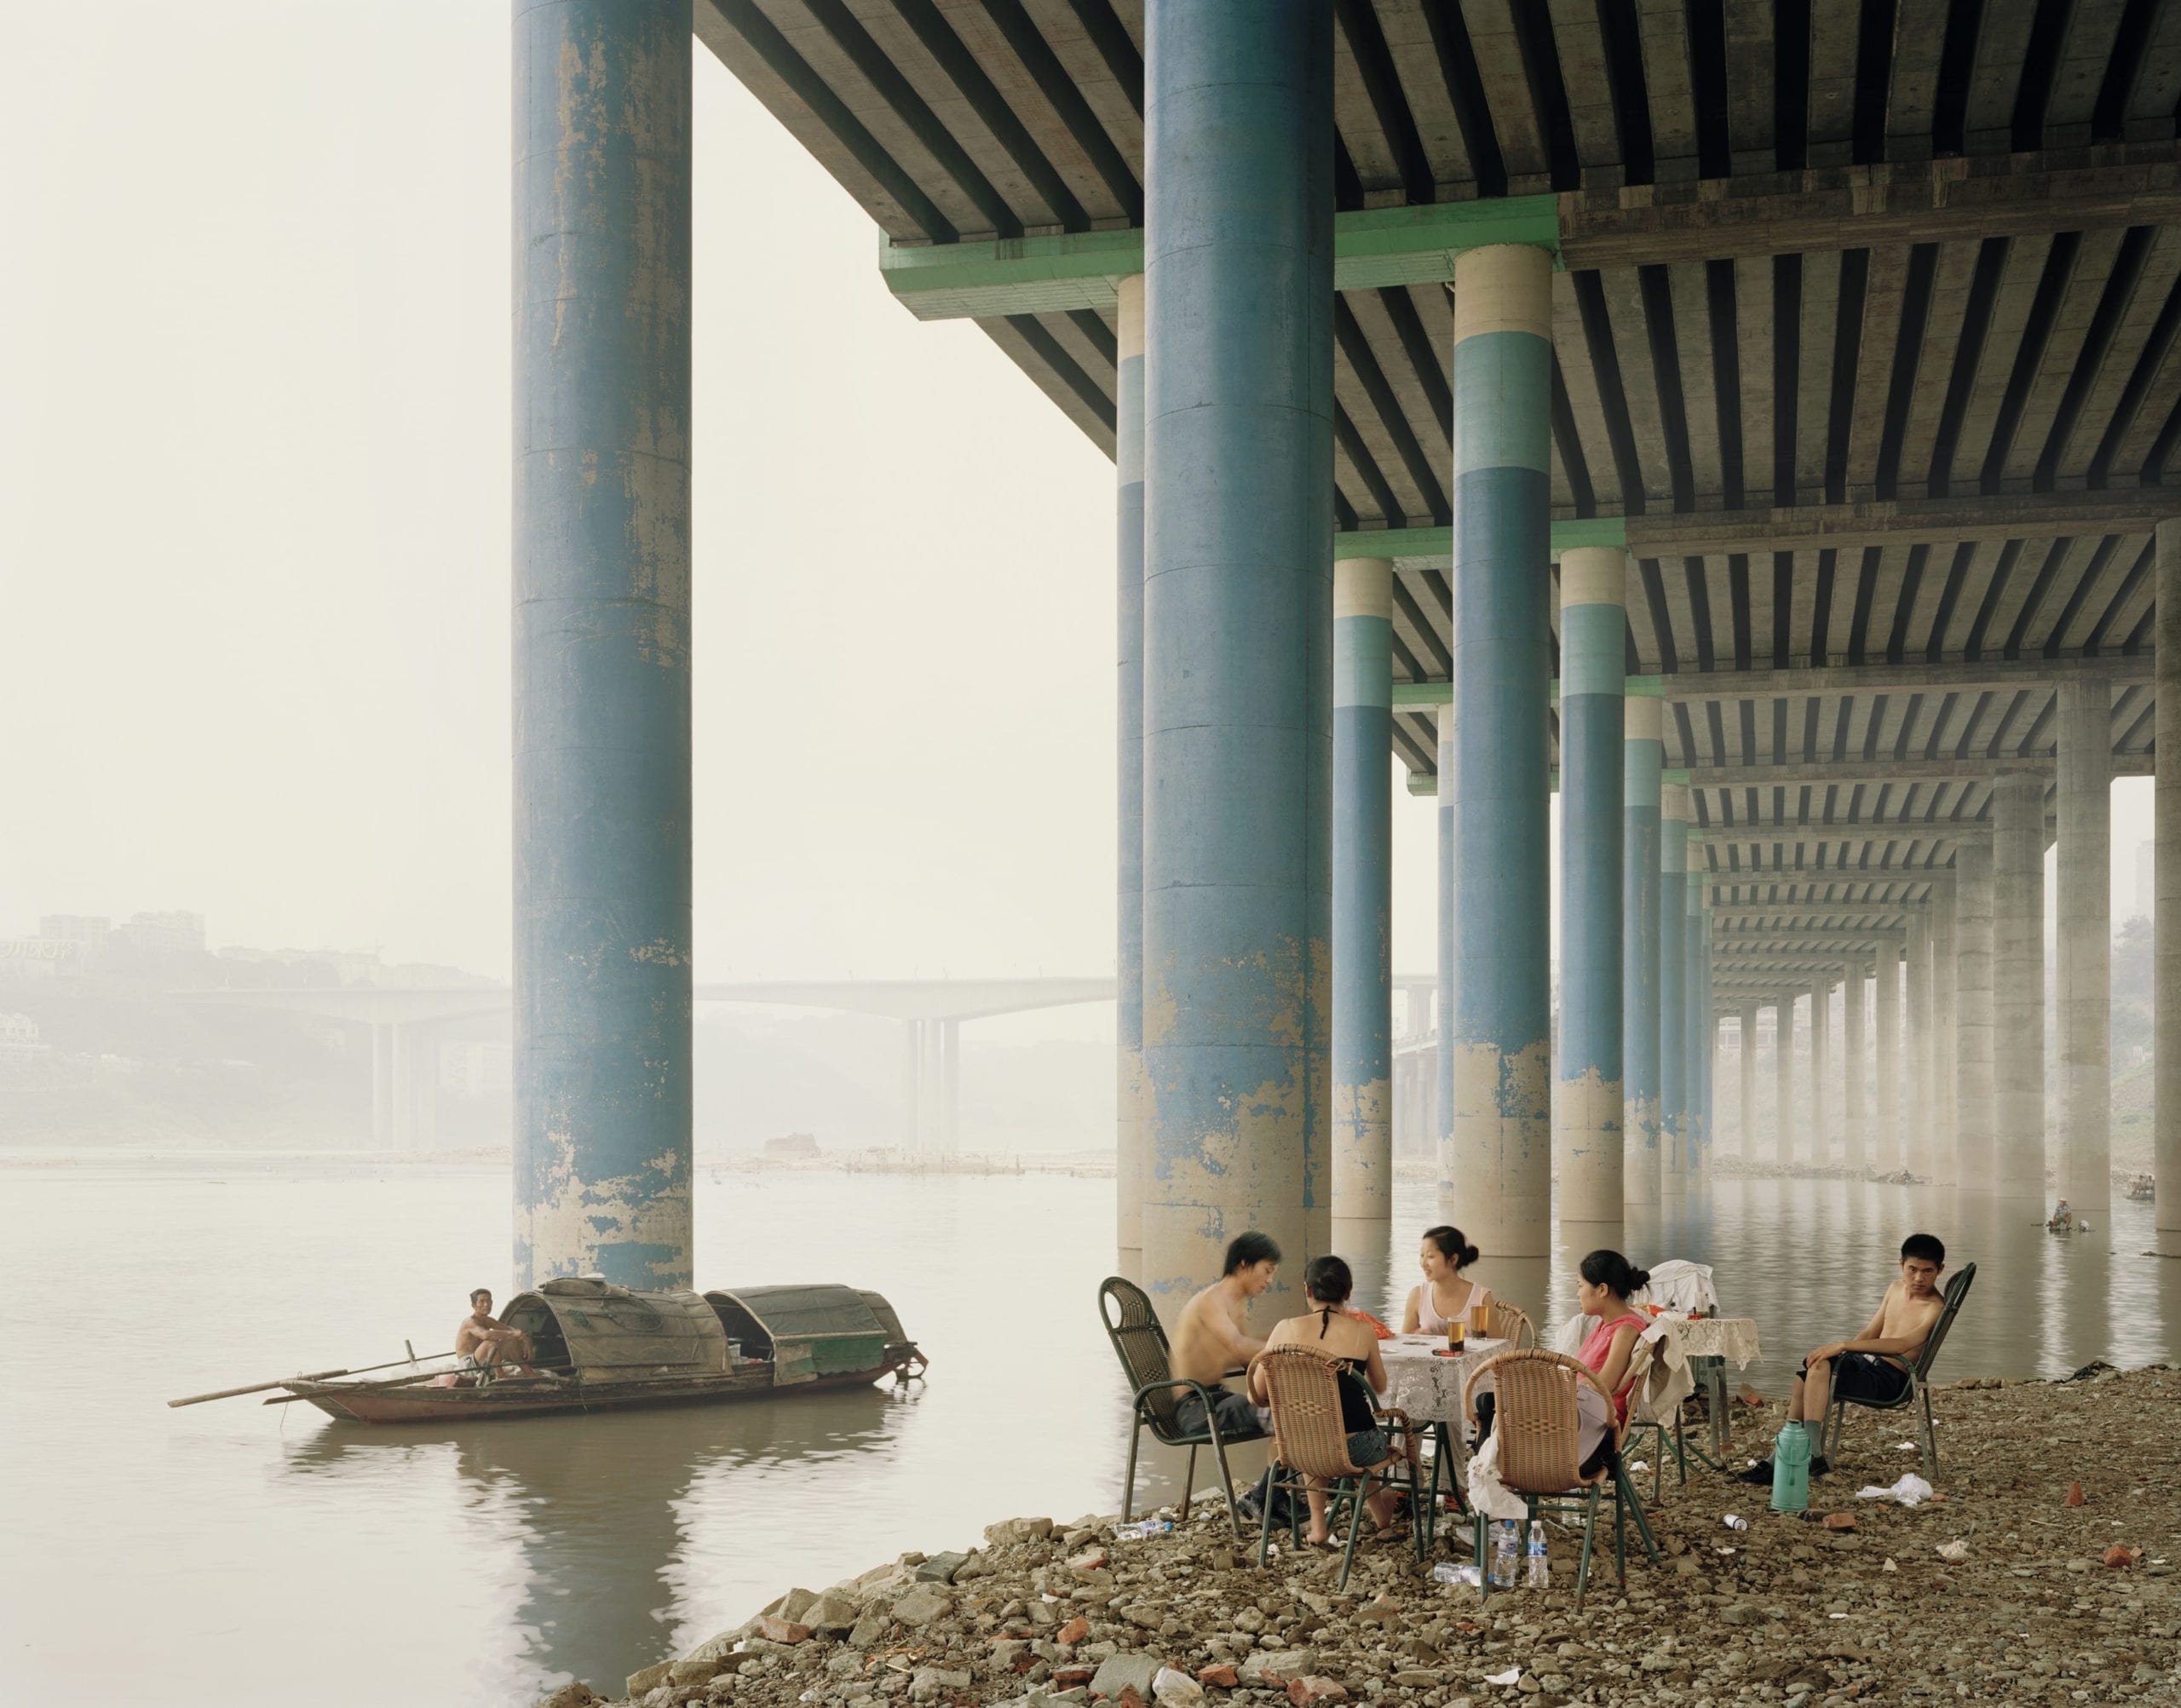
[1147, 1527]
[1503, 1554]
[1540, 1572]
[1791, 1470]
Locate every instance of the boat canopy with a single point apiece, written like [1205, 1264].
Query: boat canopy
[582, 1323]
[808, 1331]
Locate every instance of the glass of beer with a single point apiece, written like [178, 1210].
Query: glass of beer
[1457, 1326]
[1480, 1321]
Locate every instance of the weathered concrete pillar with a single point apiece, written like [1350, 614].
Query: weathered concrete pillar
[912, 1085]
[1128, 742]
[1783, 1070]
[2018, 987]
[1642, 751]
[1448, 945]
[2166, 927]
[1362, 898]
[1674, 978]
[1684, 1161]
[1748, 1065]
[1916, 998]
[1498, 1026]
[382, 1084]
[950, 1086]
[1945, 1022]
[1886, 1142]
[1587, 1141]
[1821, 1071]
[1974, 1154]
[1855, 1135]
[2084, 946]
[1237, 635]
[603, 1102]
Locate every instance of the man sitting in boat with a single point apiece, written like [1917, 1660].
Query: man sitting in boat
[484, 1343]
[2062, 1220]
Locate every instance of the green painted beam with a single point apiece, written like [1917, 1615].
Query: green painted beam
[1427, 696]
[1373, 249]
[1422, 548]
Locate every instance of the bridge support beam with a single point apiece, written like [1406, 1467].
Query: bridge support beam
[2019, 986]
[2166, 1044]
[1945, 1028]
[1498, 1020]
[1886, 1142]
[1673, 981]
[1972, 874]
[1854, 1139]
[1237, 668]
[1590, 1072]
[1686, 1159]
[602, 103]
[1362, 901]
[1128, 552]
[1821, 1071]
[1641, 754]
[1748, 1064]
[1783, 1075]
[2084, 946]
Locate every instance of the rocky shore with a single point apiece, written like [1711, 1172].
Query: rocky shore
[2047, 1570]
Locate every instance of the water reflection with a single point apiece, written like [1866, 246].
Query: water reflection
[614, 1516]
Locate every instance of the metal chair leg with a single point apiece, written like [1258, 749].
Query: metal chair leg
[1264, 1529]
[1930, 1440]
[1636, 1512]
[1226, 1476]
[1590, 1531]
[1189, 1486]
[1128, 1488]
[1483, 1559]
[1358, 1490]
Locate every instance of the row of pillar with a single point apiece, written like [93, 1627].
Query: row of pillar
[1253, 1063]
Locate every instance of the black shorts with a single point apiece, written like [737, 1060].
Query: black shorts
[1866, 1375]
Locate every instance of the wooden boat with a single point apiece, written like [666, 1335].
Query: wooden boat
[603, 1347]
[2143, 1189]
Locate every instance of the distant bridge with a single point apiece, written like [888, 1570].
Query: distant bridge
[406, 1024]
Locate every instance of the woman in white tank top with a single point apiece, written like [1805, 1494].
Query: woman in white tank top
[1444, 1294]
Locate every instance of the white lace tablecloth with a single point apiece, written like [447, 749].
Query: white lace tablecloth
[1733, 1338]
[1427, 1387]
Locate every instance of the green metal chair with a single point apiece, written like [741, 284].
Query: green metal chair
[1539, 1425]
[1155, 1392]
[1310, 1444]
[1918, 1393]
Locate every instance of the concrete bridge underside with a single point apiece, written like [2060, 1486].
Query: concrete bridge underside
[1833, 354]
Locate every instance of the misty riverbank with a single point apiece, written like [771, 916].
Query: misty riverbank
[1998, 1590]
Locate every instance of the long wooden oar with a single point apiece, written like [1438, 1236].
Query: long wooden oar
[388, 1387]
[316, 1375]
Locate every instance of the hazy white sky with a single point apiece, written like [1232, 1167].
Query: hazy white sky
[254, 499]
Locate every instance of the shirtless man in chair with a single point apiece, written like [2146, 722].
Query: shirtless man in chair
[1875, 1364]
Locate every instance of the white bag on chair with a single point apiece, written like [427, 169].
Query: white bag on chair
[1661, 1375]
[1569, 1337]
[1486, 1493]
[1678, 1285]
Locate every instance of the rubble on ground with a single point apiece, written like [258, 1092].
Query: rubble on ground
[1997, 1589]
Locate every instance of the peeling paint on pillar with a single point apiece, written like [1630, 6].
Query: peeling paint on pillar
[1588, 1103]
[1497, 1030]
[1238, 633]
[1362, 893]
[1673, 976]
[1642, 751]
[601, 111]
[1976, 1156]
[1128, 1010]
[2018, 987]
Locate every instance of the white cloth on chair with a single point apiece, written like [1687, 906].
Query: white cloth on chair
[1569, 1337]
[1678, 1285]
[1661, 1376]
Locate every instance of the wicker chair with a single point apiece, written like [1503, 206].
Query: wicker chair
[1538, 1425]
[1155, 1393]
[1310, 1444]
[1918, 1393]
[1511, 1323]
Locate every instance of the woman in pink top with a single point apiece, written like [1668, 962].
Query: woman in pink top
[1607, 1281]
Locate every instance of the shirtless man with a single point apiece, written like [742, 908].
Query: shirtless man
[1211, 1339]
[1875, 1364]
[486, 1342]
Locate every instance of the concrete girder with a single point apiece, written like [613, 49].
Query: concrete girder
[1879, 772]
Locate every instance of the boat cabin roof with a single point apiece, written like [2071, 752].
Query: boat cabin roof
[616, 1332]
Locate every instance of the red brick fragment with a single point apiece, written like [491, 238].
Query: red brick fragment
[1304, 1692]
[1067, 1677]
[1075, 1631]
[1223, 1676]
[2074, 1494]
[774, 1629]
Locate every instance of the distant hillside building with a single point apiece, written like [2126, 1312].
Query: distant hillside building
[165, 934]
[791, 1146]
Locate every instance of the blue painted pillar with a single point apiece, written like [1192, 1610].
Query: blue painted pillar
[1642, 750]
[1362, 899]
[1673, 977]
[1128, 1010]
[1589, 1069]
[601, 641]
[1696, 1006]
[1238, 635]
[1449, 969]
[1498, 1028]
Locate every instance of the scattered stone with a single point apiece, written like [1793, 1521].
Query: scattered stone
[831, 1613]
[646, 1679]
[940, 1569]
[2120, 1556]
[1839, 1521]
[2074, 1494]
[1090, 1559]
[1222, 1675]
[1122, 1672]
[575, 1696]
[1013, 1533]
[931, 1682]
[922, 1605]
[1305, 1691]
[774, 1629]
[1073, 1631]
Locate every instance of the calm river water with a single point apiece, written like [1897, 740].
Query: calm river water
[242, 1554]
